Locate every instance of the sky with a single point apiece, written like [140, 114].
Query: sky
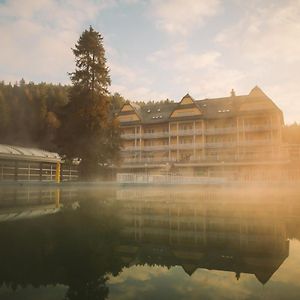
[159, 49]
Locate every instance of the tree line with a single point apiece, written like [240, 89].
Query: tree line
[76, 121]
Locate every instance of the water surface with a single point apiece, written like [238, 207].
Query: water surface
[149, 243]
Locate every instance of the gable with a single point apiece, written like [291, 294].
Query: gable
[186, 100]
[186, 108]
[128, 114]
[127, 107]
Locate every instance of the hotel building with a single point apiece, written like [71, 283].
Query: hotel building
[230, 136]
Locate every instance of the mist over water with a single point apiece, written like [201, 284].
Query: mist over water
[181, 242]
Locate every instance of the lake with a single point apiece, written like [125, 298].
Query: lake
[185, 242]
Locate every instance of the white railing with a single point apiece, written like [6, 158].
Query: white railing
[217, 158]
[199, 145]
[147, 160]
[131, 178]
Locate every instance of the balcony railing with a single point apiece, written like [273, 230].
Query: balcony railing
[131, 148]
[160, 134]
[145, 160]
[208, 145]
[155, 147]
[186, 146]
[129, 136]
[191, 132]
[221, 158]
[211, 131]
[186, 132]
[220, 144]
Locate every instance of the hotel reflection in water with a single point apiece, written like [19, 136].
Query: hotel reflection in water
[227, 235]
[195, 230]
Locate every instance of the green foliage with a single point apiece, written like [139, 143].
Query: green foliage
[116, 102]
[30, 113]
[91, 74]
[88, 130]
[161, 102]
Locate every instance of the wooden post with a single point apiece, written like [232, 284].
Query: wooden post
[57, 198]
[57, 173]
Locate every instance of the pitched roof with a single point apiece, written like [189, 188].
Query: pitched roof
[22, 153]
[213, 108]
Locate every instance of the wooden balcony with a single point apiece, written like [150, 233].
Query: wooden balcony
[191, 132]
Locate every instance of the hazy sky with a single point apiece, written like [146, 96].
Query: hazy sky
[159, 49]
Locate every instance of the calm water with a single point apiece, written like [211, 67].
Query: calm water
[145, 243]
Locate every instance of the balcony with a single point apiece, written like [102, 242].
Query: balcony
[186, 132]
[160, 134]
[146, 160]
[224, 130]
[130, 136]
[220, 144]
[207, 145]
[186, 146]
[155, 147]
[217, 158]
[191, 132]
[131, 148]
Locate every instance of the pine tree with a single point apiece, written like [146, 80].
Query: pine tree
[88, 132]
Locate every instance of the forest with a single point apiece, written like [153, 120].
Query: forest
[31, 114]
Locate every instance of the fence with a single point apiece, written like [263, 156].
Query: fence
[132, 178]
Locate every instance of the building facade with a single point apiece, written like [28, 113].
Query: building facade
[32, 164]
[231, 136]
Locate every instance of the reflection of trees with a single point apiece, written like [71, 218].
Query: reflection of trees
[73, 248]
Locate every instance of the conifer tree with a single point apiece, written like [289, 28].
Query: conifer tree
[88, 131]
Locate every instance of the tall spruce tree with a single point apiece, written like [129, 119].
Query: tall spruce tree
[89, 132]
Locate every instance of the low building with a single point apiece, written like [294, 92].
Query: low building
[28, 164]
[235, 136]
[31, 164]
